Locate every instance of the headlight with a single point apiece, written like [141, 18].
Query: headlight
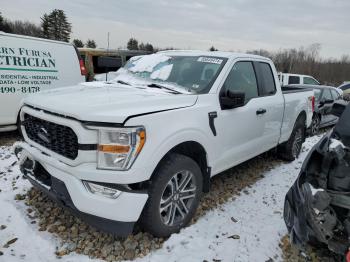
[118, 148]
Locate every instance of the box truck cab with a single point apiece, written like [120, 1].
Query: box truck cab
[29, 65]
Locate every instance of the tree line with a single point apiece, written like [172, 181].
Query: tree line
[53, 25]
[304, 60]
[307, 60]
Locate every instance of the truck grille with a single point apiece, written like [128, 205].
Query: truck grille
[57, 138]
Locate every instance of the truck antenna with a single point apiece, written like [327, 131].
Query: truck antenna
[107, 50]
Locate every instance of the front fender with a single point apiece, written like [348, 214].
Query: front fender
[166, 130]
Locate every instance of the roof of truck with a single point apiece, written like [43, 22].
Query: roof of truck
[213, 54]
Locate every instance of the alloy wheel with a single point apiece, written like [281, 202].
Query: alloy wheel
[315, 125]
[177, 198]
[297, 143]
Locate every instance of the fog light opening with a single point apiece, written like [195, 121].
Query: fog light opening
[102, 190]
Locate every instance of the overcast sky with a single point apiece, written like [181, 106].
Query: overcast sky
[236, 25]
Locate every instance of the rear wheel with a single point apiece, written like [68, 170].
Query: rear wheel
[292, 148]
[315, 125]
[174, 196]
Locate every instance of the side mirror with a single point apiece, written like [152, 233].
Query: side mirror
[230, 99]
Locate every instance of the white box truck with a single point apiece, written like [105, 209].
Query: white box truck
[29, 65]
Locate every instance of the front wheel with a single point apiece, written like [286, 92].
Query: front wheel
[174, 195]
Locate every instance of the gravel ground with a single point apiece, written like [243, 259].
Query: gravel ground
[77, 236]
[8, 138]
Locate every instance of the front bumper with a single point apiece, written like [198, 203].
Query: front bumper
[112, 215]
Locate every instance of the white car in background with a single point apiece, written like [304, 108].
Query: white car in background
[345, 89]
[296, 79]
[30, 65]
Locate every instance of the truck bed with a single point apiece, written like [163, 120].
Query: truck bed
[294, 89]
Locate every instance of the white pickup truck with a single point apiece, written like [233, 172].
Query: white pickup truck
[296, 79]
[143, 147]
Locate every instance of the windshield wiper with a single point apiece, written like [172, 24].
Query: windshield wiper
[123, 82]
[154, 85]
[119, 82]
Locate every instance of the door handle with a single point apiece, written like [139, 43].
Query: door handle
[261, 111]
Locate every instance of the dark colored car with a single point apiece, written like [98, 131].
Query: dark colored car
[317, 206]
[325, 97]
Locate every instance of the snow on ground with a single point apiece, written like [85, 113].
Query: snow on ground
[248, 228]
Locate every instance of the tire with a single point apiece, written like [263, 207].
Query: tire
[291, 149]
[161, 215]
[315, 125]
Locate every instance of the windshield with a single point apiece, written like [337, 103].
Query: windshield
[193, 74]
[345, 87]
[317, 94]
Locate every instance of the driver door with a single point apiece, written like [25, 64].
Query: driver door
[240, 130]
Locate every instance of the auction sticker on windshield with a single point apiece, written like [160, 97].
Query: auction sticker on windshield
[211, 60]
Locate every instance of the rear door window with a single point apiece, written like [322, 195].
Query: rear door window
[335, 95]
[293, 80]
[310, 81]
[268, 80]
[327, 95]
[317, 94]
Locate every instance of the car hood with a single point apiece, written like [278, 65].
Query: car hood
[109, 103]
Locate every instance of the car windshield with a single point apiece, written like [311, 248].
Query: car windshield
[317, 93]
[345, 87]
[186, 74]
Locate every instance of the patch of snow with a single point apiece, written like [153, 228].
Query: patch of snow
[162, 73]
[315, 190]
[148, 63]
[32, 245]
[335, 143]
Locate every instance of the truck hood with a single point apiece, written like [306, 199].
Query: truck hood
[109, 103]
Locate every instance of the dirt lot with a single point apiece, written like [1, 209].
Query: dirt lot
[8, 138]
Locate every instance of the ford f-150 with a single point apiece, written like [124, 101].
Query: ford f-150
[143, 146]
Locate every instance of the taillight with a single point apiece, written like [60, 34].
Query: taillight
[313, 103]
[82, 67]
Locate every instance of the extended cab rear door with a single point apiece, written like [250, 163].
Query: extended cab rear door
[271, 102]
[254, 127]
